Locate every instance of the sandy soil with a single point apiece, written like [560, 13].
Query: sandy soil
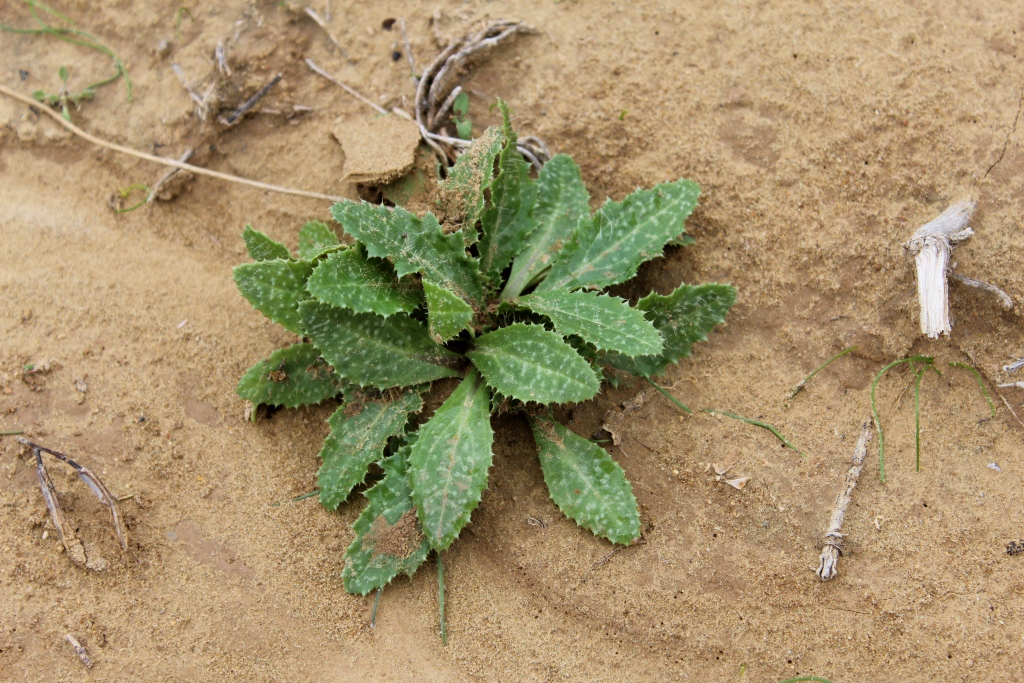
[823, 134]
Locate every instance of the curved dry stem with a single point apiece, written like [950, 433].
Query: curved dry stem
[198, 170]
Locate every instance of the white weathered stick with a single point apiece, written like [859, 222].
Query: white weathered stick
[931, 246]
[79, 650]
[829, 560]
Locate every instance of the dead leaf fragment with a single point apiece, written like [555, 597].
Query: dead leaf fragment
[738, 484]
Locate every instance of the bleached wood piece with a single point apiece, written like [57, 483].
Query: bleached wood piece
[931, 246]
[829, 560]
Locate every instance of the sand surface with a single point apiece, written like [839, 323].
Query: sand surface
[822, 133]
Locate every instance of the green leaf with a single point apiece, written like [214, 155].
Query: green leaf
[315, 239]
[388, 539]
[607, 322]
[375, 351]
[464, 128]
[586, 484]
[562, 199]
[350, 280]
[262, 248]
[608, 247]
[684, 317]
[507, 221]
[461, 196]
[275, 288]
[448, 463]
[682, 240]
[447, 314]
[359, 434]
[530, 363]
[414, 245]
[461, 104]
[291, 377]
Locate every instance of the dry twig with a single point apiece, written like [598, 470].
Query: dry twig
[1004, 298]
[250, 103]
[161, 160]
[79, 650]
[70, 540]
[829, 561]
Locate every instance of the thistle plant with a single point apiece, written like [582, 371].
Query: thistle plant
[503, 290]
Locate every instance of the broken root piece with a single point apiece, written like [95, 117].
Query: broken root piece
[1004, 298]
[829, 561]
[931, 247]
[69, 538]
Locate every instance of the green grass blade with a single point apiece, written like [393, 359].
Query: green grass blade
[928, 360]
[815, 371]
[981, 383]
[758, 423]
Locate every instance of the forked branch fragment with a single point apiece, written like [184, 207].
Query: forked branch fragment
[73, 545]
[829, 561]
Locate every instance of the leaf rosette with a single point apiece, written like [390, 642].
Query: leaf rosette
[503, 295]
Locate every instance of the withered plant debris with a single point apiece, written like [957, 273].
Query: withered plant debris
[72, 543]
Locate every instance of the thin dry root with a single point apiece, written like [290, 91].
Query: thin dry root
[931, 246]
[829, 561]
[1004, 298]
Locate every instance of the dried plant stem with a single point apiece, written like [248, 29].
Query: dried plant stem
[1004, 298]
[350, 90]
[167, 176]
[829, 560]
[79, 650]
[667, 395]
[981, 383]
[250, 103]
[815, 371]
[199, 170]
[440, 599]
[14, 433]
[931, 247]
[94, 483]
[1010, 408]
[757, 423]
[323, 24]
[800, 679]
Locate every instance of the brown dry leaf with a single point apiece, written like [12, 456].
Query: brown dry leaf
[722, 468]
[377, 151]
